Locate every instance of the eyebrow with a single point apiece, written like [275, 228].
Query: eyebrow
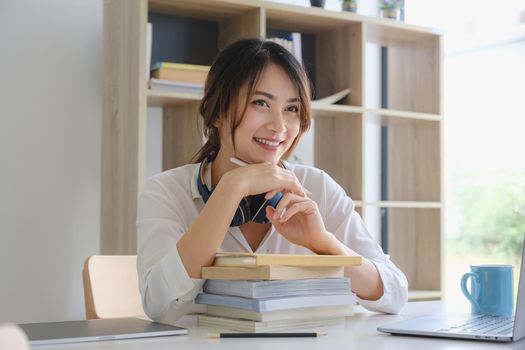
[272, 97]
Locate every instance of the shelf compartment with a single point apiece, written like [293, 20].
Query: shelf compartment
[403, 160]
[212, 27]
[182, 134]
[342, 133]
[333, 58]
[411, 68]
[412, 238]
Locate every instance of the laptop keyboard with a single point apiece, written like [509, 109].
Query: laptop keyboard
[484, 325]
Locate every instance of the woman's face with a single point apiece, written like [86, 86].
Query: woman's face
[271, 122]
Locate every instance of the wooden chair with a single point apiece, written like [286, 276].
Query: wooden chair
[12, 337]
[111, 288]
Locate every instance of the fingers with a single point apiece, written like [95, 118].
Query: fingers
[269, 195]
[287, 182]
[288, 198]
[305, 207]
[263, 176]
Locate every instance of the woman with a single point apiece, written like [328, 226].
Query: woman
[256, 106]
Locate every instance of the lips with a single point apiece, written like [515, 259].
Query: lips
[271, 143]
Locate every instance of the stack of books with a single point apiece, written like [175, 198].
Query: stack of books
[178, 77]
[275, 292]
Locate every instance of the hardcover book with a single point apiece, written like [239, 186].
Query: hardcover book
[254, 260]
[258, 327]
[274, 304]
[184, 73]
[270, 272]
[175, 86]
[305, 313]
[280, 288]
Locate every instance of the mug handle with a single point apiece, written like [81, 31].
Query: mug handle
[468, 295]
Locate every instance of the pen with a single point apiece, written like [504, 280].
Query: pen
[265, 335]
[239, 162]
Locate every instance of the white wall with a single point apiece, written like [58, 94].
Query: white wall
[50, 110]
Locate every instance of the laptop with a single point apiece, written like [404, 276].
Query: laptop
[469, 326]
[95, 330]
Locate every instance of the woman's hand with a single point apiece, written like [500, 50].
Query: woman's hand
[298, 219]
[260, 178]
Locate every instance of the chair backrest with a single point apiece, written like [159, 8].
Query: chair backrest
[111, 288]
[12, 337]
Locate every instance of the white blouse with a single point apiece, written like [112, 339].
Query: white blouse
[170, 202]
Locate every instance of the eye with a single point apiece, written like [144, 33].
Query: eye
[293, 109]
[261, 103]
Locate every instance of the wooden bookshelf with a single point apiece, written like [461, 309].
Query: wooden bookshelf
[410, 163]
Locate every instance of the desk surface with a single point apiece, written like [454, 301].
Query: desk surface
[356, 333]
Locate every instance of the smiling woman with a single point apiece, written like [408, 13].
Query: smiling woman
[255, 108]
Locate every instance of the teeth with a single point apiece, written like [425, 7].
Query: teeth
[266, 142]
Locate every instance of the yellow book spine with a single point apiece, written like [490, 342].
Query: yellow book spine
[306, 260]
[183, 66]
[254, 260]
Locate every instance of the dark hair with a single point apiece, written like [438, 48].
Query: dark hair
[240, 63]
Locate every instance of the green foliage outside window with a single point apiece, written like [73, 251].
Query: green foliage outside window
[491, 216]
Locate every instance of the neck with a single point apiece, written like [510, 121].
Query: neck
[220, 166]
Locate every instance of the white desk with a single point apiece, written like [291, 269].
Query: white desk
[357, 333]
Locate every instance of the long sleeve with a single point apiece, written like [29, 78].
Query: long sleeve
[167, 290]
[345, 223]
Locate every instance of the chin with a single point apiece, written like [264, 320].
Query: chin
[272, 159]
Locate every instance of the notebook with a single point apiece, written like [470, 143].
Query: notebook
[270, 272]
[270, 326]
[469, 326]
[274, 304]
[280, 288]
[96, 330]
[254, 260]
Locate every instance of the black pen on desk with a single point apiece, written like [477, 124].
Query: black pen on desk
[266, 335]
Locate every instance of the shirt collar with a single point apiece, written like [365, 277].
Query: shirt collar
[207, 179]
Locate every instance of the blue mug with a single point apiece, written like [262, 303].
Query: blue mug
[491, 289]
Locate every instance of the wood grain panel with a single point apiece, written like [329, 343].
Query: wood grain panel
[338, 151]
[414, 161]
[251, 24]
[339, 57]
[414, 76]
[415, 245]
[123, 123]
[182, 134]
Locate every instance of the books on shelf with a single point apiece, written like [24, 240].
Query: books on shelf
[328, 100]
[270, 272]
[292, 42]
[282, 288]
[321, 312]
[179, 72]
[174, 86]
[274, 304]
[254, 260]
[243, 325]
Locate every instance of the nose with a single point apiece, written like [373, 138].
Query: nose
[278, 122]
